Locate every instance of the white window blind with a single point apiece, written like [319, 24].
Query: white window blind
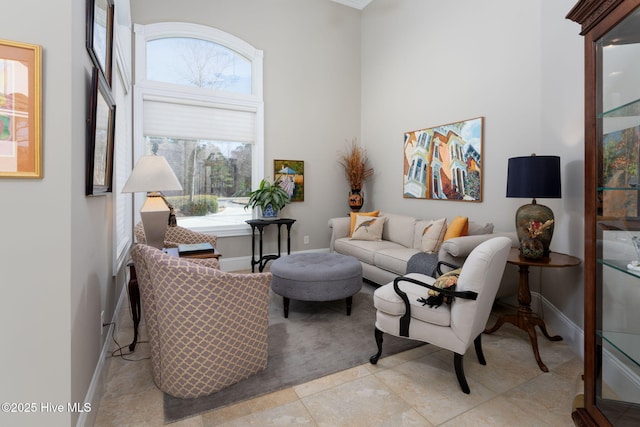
[189, 121]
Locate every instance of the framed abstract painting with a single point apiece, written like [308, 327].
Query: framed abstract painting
[444, 162]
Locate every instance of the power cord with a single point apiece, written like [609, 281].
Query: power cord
[118, 352]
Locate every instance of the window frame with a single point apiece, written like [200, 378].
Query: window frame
[159, 91]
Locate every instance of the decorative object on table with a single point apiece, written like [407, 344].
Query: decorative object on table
[536, 177]
[99, 37]
[356, 167]
[100, 137]
[444, 162]
[270, 197]
[532, 247]
[21, 110]
[152, 174]
[290, 175]
[186, 249]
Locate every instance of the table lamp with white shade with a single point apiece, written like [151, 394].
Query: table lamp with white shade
[152, 174]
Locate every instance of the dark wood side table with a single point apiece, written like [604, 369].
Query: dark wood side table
[260, 224]
[526, 319]
[134, 290]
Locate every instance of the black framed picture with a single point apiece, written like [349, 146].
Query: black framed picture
[100, 35]
[100, 136]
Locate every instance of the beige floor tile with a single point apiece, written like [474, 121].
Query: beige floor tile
[291, 414]
[324, 383]
[140, 409]
[498, 411]
[260, 404]
[430, 386]
[363, 402]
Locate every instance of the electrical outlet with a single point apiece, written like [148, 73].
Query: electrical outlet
[101, 322]
[306, 240]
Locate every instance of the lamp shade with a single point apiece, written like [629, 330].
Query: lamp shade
[152, 173]
[534, 177]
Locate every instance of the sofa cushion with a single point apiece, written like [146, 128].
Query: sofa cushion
[476, 228]
[459, 226]
[362, 249]
[429, 234]
[353, 216]
[368, 228]
[394, 259]
[399, 229]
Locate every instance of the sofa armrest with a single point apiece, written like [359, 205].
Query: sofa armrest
[457, 249]
[339, 228]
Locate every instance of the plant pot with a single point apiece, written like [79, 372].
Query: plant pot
[355, 200]
[269, 212]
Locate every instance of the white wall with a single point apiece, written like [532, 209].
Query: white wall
[518, 64]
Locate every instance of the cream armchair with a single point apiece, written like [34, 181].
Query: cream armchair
[401, 310]
[207, 329]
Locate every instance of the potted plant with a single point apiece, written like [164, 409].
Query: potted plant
[355, 163]
[270, 197]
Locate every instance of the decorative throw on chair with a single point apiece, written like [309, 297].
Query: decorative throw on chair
[446, 281]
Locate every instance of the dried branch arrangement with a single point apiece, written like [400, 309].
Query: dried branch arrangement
[355, 163]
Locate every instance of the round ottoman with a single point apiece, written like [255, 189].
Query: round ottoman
[316, 277]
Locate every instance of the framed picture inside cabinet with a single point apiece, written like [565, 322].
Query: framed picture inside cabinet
[20, 110]
[100, 35]
[101, 126]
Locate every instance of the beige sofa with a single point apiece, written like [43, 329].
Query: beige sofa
[386, 259]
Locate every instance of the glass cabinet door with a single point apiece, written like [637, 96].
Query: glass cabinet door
[617, 275]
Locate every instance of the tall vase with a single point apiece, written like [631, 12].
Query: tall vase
[356, 200]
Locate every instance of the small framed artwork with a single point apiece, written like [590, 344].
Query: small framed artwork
[444, 162]
[100, 34]
[100, 137]
[20, 110]
[290, 175]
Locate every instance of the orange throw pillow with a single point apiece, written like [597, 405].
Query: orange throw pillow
[353, 218]
[458, 227]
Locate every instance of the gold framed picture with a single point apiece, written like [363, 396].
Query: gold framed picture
[20, 110]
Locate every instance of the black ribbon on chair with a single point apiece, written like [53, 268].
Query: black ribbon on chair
[406, 318]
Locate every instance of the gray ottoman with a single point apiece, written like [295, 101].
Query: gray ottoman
[316, 277]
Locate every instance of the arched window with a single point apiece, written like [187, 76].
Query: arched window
[198, 102]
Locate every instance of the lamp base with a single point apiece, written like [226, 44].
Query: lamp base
[155, 220]
[526, 214]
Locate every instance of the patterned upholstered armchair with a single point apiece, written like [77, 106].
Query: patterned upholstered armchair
[178, 235]
[207, 328]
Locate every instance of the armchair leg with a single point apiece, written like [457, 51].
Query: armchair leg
[457, 362]
[478, 345]
[374, 359]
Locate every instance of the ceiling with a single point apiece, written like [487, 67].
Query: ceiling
[357, 4]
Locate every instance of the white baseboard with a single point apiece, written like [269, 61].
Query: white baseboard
[99, 379]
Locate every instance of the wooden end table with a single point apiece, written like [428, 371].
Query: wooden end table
[134, 290]
[526, 319]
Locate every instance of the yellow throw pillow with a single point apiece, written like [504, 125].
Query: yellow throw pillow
[458, 227]
[368, 228]
[353, 218]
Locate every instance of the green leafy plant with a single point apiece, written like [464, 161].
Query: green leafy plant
[268, 194]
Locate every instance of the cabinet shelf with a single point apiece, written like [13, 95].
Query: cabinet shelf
[626, 343]
[630, 109]
[620, 265]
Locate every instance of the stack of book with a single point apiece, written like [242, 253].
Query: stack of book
[196, 249]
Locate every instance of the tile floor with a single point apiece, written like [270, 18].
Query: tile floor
[414, 388]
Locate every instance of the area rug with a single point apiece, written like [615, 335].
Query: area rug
[317, 339]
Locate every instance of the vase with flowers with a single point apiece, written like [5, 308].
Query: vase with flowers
[356, 167]
[532, 247]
